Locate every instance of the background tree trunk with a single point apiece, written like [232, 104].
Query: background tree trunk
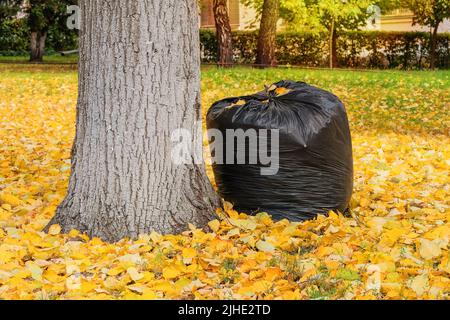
[37, 45]
[223, 31]
[334, 55]
[267, 34]
[333, 46]
[139, 80]
[433, 47]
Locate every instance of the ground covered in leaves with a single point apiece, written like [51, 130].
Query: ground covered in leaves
[395, 245]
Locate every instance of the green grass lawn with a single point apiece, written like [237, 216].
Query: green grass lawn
[53, 58]
[394, 100]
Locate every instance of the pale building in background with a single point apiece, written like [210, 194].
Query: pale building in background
[402, 20]
[243, 18]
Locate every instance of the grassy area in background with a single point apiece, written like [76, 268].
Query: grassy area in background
[53, 58]
[394, 100]
[382, 100]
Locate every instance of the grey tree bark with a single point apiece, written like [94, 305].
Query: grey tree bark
[139, 79]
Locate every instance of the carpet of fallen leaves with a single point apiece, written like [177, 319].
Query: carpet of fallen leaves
[395, 245]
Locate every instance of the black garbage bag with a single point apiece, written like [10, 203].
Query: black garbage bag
[314, 173]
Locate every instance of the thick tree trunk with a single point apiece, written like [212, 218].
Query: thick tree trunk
[223, 31]
[433, 47]
[37, 45]
[139, 80]
[267, 34]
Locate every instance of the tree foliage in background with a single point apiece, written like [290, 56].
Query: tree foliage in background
[430, 13]
[9, 9]
[337, 16]
[355, 49]
[13, 31]
[293, 13]
[332, 16]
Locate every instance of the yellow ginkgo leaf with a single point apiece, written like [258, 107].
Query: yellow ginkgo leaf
[170, 273]
[149, 295]
[429, 249]
[134, 274]
[419, 284]
[10, 199]
[246, 224]
[265, 246]
[116, 271]
[189, 253]
[214, 225]
[36, 271]
[281, 90]
[54, 229]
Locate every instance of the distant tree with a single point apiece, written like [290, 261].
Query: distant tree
[430, 13]
[265, 55]
[223, 32]
[43, 19]
[297, 16]
[339, 15]
[42, 15]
